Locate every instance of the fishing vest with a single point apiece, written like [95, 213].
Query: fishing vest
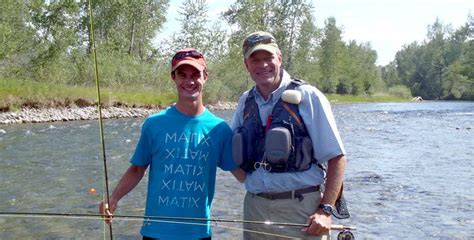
[282, 145]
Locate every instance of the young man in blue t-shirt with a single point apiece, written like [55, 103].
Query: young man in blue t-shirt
[182, 146]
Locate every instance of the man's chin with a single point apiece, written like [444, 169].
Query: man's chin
[192, 97]
[265, 80]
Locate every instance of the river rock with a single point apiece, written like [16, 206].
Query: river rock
[34, 115]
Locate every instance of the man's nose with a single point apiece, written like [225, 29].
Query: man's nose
[189, 80]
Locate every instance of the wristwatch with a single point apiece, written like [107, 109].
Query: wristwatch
[327, 208]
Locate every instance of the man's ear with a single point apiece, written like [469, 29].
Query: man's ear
[206, 74]
[173, 75]
[245, 63]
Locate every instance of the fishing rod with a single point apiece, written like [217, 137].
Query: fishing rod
[138, 217]
[344, 231]
[99, 107]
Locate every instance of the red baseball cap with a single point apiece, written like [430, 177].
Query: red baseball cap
[189, 56]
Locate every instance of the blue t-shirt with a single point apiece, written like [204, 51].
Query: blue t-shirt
[182, 152]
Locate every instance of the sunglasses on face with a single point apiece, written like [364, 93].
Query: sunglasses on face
[193, 54]
[257, 39]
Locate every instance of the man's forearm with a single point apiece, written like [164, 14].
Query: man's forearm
[335, 177]
[129, 180]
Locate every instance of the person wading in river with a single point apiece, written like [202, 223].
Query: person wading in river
[284, 133]
[181, 146]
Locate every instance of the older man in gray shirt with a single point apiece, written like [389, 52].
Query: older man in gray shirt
[284, 133]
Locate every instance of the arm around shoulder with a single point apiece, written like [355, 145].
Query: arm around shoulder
[239, 174]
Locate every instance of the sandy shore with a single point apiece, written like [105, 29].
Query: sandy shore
[32, 115]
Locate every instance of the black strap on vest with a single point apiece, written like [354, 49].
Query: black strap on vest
[255, 146]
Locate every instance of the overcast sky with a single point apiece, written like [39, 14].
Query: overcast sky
[386, 24]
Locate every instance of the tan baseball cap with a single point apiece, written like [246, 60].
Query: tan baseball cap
[260, 41]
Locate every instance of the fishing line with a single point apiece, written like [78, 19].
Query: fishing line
[99, 107]
[344, 234]
[148, 218]
[172, 220]
[121, 217]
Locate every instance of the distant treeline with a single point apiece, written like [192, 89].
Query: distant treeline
[49, 41]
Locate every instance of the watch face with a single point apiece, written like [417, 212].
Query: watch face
[326, 208]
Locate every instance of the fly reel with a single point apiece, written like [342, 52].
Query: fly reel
[345, 234]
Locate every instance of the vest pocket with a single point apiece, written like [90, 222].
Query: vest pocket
[278, 144]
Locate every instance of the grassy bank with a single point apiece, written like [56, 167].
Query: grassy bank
[15, 94]
[377, 97]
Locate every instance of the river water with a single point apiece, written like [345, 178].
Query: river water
[409, 174]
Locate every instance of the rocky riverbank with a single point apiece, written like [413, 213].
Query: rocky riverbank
[33, 115]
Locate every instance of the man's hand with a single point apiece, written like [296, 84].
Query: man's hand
[318, 224]
[108, 210]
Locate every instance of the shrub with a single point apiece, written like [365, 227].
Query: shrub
[400, 91]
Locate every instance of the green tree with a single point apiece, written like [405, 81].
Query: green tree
[16, 41]
[305, 64]
[358, 73]
[440, 67]
[195, 31]
[458, 79]
[286, 23]
[390, 75]
[127, 26]
[56, 26]
[434, 61]
[193, 19]
[406, 61]
[287, 20]
[124, 33]
[244, 17]
[330, 56]
[455, 85]
[247, 17]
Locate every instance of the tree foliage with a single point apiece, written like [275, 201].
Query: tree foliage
[50, 41]
[16, 39]
[292, 24]
[331, 56]
[127, 26]
[439, 68]
[60, 33]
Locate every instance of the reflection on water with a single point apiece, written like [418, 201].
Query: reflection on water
[409, 174]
